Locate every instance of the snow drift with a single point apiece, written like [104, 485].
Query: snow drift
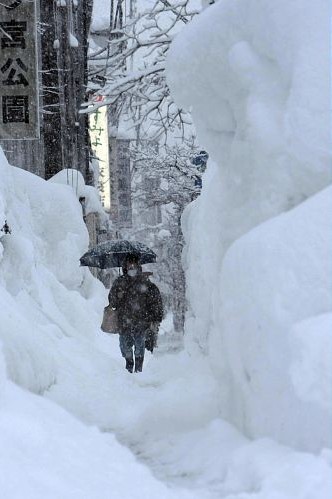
[49, 345]
[273, 279]
[259, 94]
[46, 297]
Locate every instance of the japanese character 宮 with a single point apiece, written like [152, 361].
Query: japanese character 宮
[12, 34]
[15, 109]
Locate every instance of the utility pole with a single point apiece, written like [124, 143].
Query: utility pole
[67, 90]
[82, 20]
[66, 27]
[51, 123]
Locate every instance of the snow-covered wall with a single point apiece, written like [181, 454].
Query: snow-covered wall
[255, 75]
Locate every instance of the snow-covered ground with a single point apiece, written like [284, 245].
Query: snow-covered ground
[49, 346]
[257, 260]
[47, 453]
[168, 416]
[68, 439]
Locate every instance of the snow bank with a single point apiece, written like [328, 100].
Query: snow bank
[261, 315]
[46, 297]
[51, 312]
[311, 344]
[272, 279]
[259, 94]
[74, 179]
[49, 345]
[258, 91]
[202, 256]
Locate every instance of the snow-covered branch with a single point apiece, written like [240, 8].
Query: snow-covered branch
[133, 67]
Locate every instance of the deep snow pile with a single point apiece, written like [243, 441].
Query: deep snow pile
[276, 294]
[168, 414]
[50, 315]
[260, 299]
[47, 299]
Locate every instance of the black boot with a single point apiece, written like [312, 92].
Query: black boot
[130, 365]
[138, 364]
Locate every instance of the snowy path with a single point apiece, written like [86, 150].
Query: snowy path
[168, 417]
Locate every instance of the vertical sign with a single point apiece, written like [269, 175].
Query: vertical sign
[99, 144]
[18, 70]
[124, 183]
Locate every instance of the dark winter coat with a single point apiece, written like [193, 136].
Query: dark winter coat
[137, 301]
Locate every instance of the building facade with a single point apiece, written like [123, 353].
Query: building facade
[62, 31]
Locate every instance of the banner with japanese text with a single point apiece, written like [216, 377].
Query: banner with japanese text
[99, 144]
[18, 70]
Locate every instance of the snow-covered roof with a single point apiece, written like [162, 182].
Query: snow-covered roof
[74, 179]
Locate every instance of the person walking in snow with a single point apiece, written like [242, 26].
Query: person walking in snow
[139, 309]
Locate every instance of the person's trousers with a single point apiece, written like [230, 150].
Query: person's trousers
[134, 339]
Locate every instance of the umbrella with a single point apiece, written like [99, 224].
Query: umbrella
[113, 253]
